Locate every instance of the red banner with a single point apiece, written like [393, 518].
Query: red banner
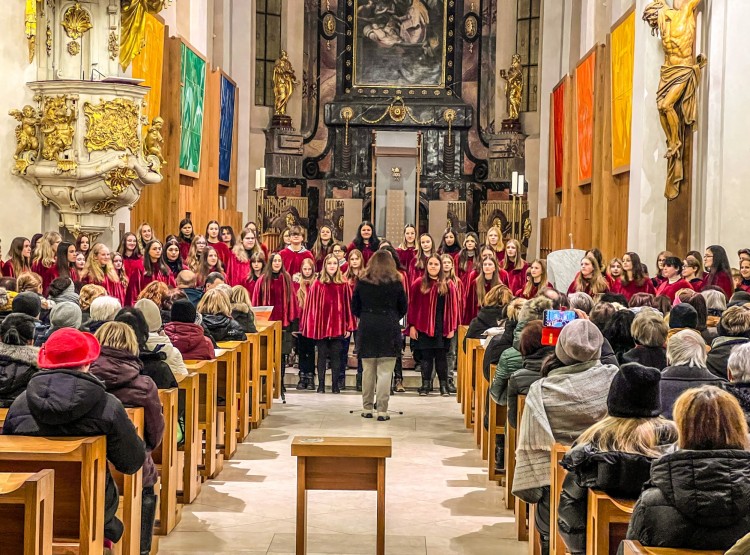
[585, 117]
[558, 102]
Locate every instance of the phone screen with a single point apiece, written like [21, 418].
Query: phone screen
[558, 318]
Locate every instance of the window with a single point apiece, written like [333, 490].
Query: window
[267, 48]
[527, 45]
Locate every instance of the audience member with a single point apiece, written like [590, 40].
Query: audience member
[154, 362]
[617, 332]
[18, 356]
[649, 332]
[242, 308]
[187, 336]
[738, 372]
[733, 329]
[102, 310]
[158, 341]
[217, 317]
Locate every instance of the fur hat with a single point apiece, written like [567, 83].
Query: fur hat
[683, 315]
[183, 311]
[28, 303]
[579, 341]
[634, 392]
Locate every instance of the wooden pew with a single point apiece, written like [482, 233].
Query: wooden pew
[635, 548]
[557, 475]
[607, 525]
[469, 386]
[269, 338]
[3, 415]
[497, 418]
[191, 448]
[480, 405]
[460, 364]
[165, 459]
[26, 502]
[256, 391]
[212, 459]
[130, 487]
[520, 507]
[227, 386]
[241, 350]
[80, 466]
[535, 544]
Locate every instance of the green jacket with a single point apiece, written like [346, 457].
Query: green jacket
[510, 361]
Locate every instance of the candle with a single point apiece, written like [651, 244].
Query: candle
[263, 178]
[257, 180]
[521, 184]
[514, 183]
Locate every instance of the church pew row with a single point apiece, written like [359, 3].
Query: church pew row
[130, 487]
[26, 509]
[469, 388]
[635, 548]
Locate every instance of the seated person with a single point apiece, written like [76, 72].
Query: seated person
[187, 281]
[242, 309]
[650, 335]
[65, 400]
[696, 497]
[102, 310]
[31, 303]
[154, 362]
[733, 330]
[158, 341]
[18, 358]
[738, 371]
[217, 317]
[62, 315]
[187, 336]
[615, 454]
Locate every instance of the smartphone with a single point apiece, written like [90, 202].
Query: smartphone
[553, 322]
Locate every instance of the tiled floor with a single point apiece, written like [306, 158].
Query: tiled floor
[438, 498]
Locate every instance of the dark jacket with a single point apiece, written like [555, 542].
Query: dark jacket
[695, 500]
[677, 379]
[17, 366]
[496, 347]
[741, 391]
[68, 403]
[488, 317]
[120, 372]
[190, 341]
[194, 295]
[379, 308]
[92, 326]
[156, 368]
[223, 328]
[244, 317]
[718, 356]
[521, 381]
[617, 474]
[655, 357]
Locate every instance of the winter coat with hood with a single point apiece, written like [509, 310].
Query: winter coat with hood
[718, 356]
[509, 363]
[497, 346]
[695, 500]
[244, 317]
[190, 340]
[18, 364]
[120, 372]
[223, 328]
[69, 403]
[487, 317]
[521, 380]
[677, 379]
[653, 357]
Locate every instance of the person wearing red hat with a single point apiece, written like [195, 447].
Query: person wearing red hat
[64, 400]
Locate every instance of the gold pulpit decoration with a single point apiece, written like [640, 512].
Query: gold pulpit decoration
[133, 32]
[112, 125]
[27, 143]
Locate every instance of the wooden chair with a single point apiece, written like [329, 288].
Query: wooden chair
[469, 386]
[165, 459]
[256, 392]
[635, 548]
[212, 459]
[130, 487]
[557, 475]
[227, 385]
[460, 363]
[480, 396]
[535, 542]
[241, 350]
[79, 465]
[497, 419]
[520, 507]
[190, 450]
[266, 370]
[26, 503]
[607, 525]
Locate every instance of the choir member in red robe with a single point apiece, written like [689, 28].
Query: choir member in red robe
[366, 241]
[45, 258]
[589, 279]
[633, 279]
[20, 257]
[99, 271]
[449, 243]
[209, 263]
[193, 260]
[449, 271]
[305, 345]
[673, 281]
[407, 250]
[744, 276]
[119, 266]
[536, 280]
[214, 240]
[692, 271]
[66, 261]
[296, 252]
[467, 257]
[515, 265]
[433, 318]
[238, 269]
[719, 270]
[185, 237]
[275, 289]
[658, 278]
[323, 245]
[131, 254]
[479, 284]
[355, 265]
[154, 269]
[613, 275]
[263, 247]
[172, 256]
[425, 249]
[494, 240]
[145, 236]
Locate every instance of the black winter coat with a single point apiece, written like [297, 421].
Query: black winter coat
[695, 500]
[617, 474]
[68, 403]
[156, 368]
[496, 347]
[380, 309]
[223, 328]
[488, 317]
[718, 356]
[244, 317]
[677, 379]
[521, 380]
[655, 357]
[741, 391]
[17, 366]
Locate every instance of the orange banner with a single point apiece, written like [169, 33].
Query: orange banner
[623, 55]
[585, 84]
[558, 105]
[148, 64]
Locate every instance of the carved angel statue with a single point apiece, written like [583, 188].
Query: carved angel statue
[284, 81]
[57, 127]
[26, 138]
[154, 142]
[513, 86]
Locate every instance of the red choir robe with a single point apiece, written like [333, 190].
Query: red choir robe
[184, 249]
[744, 286]
[517, 278]
[669, 290]
[657, 280]
[464, 275]
[274, 292]
[48, 275]
[423, 306]
[697, 284]
[723, 280]
[587, 289]
[293, 259]
[471, 306]
[327, 311]
[223, 251]
[631, 288]
[366, 251]
[132, 265]
[139, 280]
[114, 288]
[615, 285]
[534, 290]
[238, 273]
[406, 256]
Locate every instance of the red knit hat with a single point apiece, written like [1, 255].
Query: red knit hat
[68, 348]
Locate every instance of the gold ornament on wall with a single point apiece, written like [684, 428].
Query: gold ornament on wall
[153, 143]
[27, 142]
[105, 207]
[347, 113]
[133, 22]
[76, 21]
[113, 45]
[30, 21]
[58, 130]
[398, 111]
[48, 43]
[112, 124]
[74, 48]
[119, 179]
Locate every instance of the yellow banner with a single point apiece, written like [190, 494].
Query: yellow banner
[623, 56]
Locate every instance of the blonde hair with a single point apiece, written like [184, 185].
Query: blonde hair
[88, 293]
[499, 295]
[29, 281]
[519, 261]
[45, 252]
[709, 418]
[597, 284]
[240, 296]
[215, 302]
[639, 436]
[514, 308]
[500, 245]
[93, 270]
[530, 280]
[325, 277]
[193, 258]
[118, 335]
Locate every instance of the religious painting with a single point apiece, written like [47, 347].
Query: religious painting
[226, 128]
[148, 64]
[585, 78]
[400, 43]
[622, 49]
[192, 98]
[558, 117]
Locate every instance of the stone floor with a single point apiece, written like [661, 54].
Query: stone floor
[438, 498]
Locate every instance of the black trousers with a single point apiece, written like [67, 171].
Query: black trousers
[306, 353]
[437, 358]
[330, 348]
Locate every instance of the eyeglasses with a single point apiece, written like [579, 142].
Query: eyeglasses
[708, 256]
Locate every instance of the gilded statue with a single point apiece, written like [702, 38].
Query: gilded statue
[678, 85]
[30, 21]
[154, 142]
[284, 81]
[57, 130]
[133, 31]
[26, 138]
[513, 87]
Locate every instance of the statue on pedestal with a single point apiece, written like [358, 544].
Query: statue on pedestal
[680, 75]
[284, 81]
[513, 87]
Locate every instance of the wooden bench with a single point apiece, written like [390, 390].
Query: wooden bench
[269, 341]
[497, 418]
[212, 461]
[26, 503]
[165, 459]
[3, 415]
[520, 507]
[227, 386]
[460, 364]
[607, 525]
[469, 386]
[635, 548]
[557, 476]
[79, 465]
[241, 350]
[256, 391]
[189, 453]
[130, 487]
[481, 387]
